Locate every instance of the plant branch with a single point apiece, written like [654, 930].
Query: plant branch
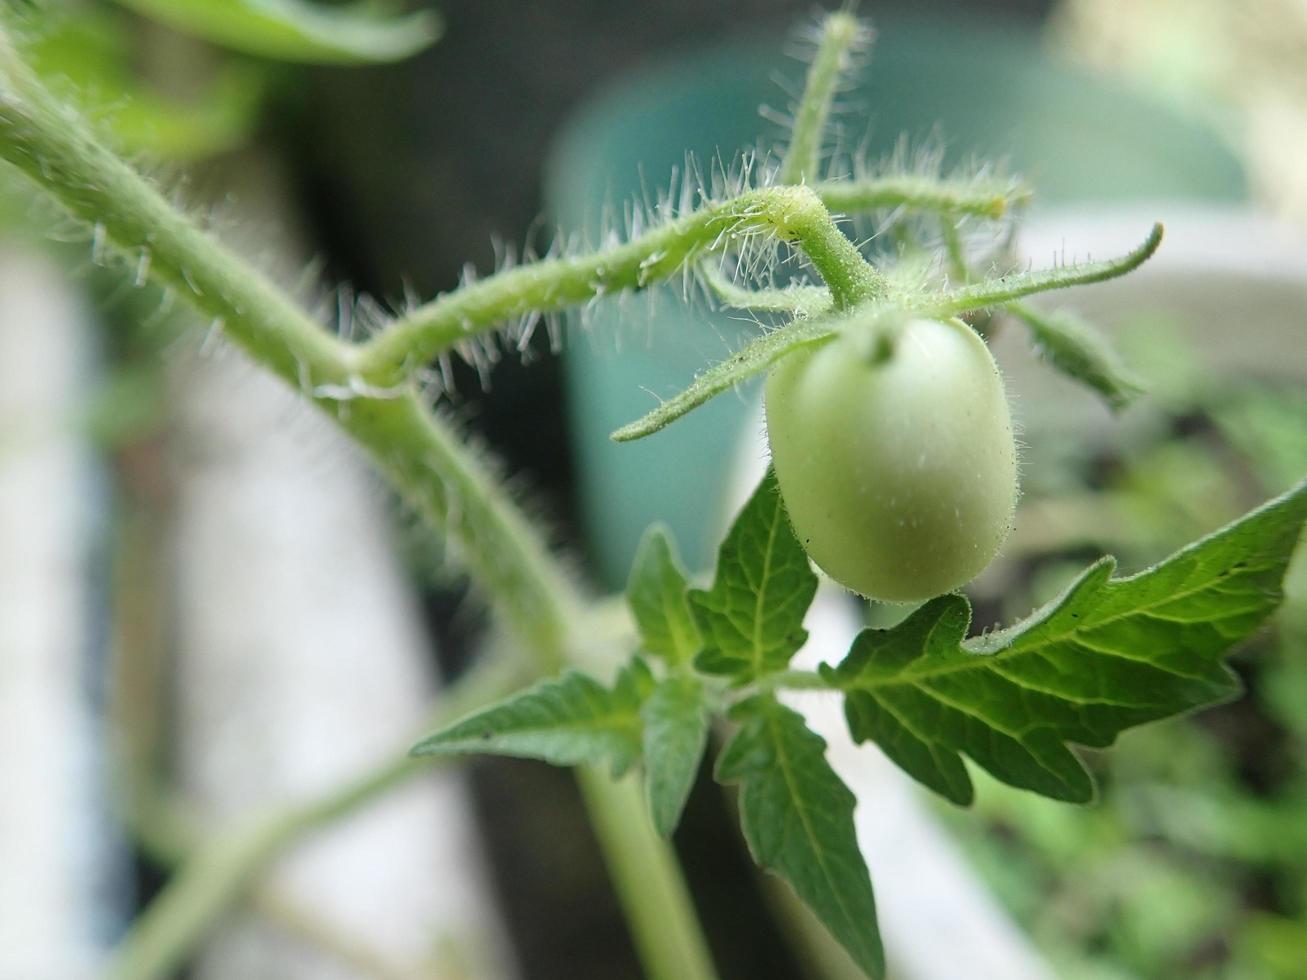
[795, 300]
[840, 34]
[1004, 289]
[795, 214]
[449, 486]
[53, 146]
[214, 877]
[975, 196]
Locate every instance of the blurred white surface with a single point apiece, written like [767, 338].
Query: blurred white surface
[51, 853]
[301, 660]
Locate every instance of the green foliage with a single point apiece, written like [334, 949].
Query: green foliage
[751, 619]
[797, 816]
[1106, 655]
[657, 595]
[90, 55]
[675, 720]
[567, 721]
[1073, 347]
[299, 30]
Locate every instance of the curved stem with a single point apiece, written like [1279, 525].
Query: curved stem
[215, 876]
[984, 198]
[48, 141]
[795, 300]
[449, 485]
[1004, 289]
[840, 34]
[793, 213]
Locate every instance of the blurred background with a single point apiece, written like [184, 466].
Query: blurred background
[208, 607]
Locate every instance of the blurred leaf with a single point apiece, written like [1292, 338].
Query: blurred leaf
[567, 721]
[127, 403]
[656, 593]
[751, 620]
[298, 30]
[675, 734]
[1106, 655]
[1077, 350]
[1270, 428]
[1272, 946]
[797, 816]
[88, 58]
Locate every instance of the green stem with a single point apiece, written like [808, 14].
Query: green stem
[449, 485]
[48, 141]
[954, 252]
[1004, 289]
[976, 196]
[794, 680]
[795, 300]
[648, 881]
[453, 489]
[850, 278]
[793, 213]
[219, 873]
[840, 33]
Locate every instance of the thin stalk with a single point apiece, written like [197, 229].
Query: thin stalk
[975, 196]
[219, 873]
[840, 34]
[53, 145]
[450, 486]
[1005, 289]
[669, 949]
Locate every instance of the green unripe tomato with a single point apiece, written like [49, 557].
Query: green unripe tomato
[895, 456]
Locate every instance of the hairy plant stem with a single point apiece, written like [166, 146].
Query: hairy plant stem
[982, 198]
[795, 214]
[421, 455]
[839, 34]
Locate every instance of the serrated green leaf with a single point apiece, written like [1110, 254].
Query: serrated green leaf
[675, 734]
[1081, 353]
[298, 30]
[751, 620]
[797, 816]
[1106, 655]
[657, 594]
[567, 721]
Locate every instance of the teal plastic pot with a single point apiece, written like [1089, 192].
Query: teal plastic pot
[987, 92]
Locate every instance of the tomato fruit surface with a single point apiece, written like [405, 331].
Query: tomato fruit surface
[895, 456]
